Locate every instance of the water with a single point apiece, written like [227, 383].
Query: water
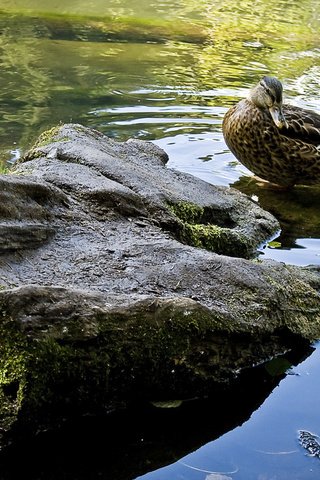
[247, 433]
[266, 446]
[167, 71]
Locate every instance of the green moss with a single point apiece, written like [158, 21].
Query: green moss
[65, 377]
[159, 354]
[46, 137]
[41, 380]
[187, 212]
[13, 360]
[50, 136]
[220, 240]
[45, 379]
[302, 315]
[195, 228]
[4, 169]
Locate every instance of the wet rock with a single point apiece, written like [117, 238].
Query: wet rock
[25, 219]
[117, 301]
[131, 178]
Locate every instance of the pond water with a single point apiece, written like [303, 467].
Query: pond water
[266, 446]
[167, 71]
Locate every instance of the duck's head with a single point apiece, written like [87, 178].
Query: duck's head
[267, 94]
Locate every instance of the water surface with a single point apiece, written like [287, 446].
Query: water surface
[266, 446]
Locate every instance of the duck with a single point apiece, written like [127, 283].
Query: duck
[278, 142]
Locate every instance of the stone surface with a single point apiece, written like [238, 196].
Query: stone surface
[105, 294]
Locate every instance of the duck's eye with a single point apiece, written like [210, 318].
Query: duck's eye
[268, 91]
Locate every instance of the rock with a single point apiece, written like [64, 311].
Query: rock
[26, 221]
[112, 300]
[131, 179]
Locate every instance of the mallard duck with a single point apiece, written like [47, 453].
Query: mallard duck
[278, 142]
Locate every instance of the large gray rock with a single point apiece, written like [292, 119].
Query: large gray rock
[105, 294]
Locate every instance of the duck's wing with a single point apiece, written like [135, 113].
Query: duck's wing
[302, 124]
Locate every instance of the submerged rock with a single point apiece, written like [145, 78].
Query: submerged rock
[107, 298]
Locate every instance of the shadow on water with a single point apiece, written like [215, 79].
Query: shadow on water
[298, 213]
[143, 438]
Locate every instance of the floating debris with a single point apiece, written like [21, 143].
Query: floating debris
[167, 404]
[217, 476]
[310, 442]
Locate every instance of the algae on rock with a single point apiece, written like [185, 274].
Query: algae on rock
[197, 230]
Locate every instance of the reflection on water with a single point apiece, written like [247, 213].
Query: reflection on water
[167, 71]
[190, 9]
[265, 447]
[144, 437]
[298, 213]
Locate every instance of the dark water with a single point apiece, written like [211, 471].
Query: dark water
[167, 71]
[247, 432]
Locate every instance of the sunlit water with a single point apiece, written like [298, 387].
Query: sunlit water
[174, 91]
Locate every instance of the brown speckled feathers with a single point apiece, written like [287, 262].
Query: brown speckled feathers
[303, 124]
[287, 154]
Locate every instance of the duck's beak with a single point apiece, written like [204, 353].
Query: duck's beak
[278, 117]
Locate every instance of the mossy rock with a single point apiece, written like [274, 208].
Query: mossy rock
[195, 228]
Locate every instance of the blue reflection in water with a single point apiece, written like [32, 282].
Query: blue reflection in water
[305, 252]
[208, 159]
[265, 447]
